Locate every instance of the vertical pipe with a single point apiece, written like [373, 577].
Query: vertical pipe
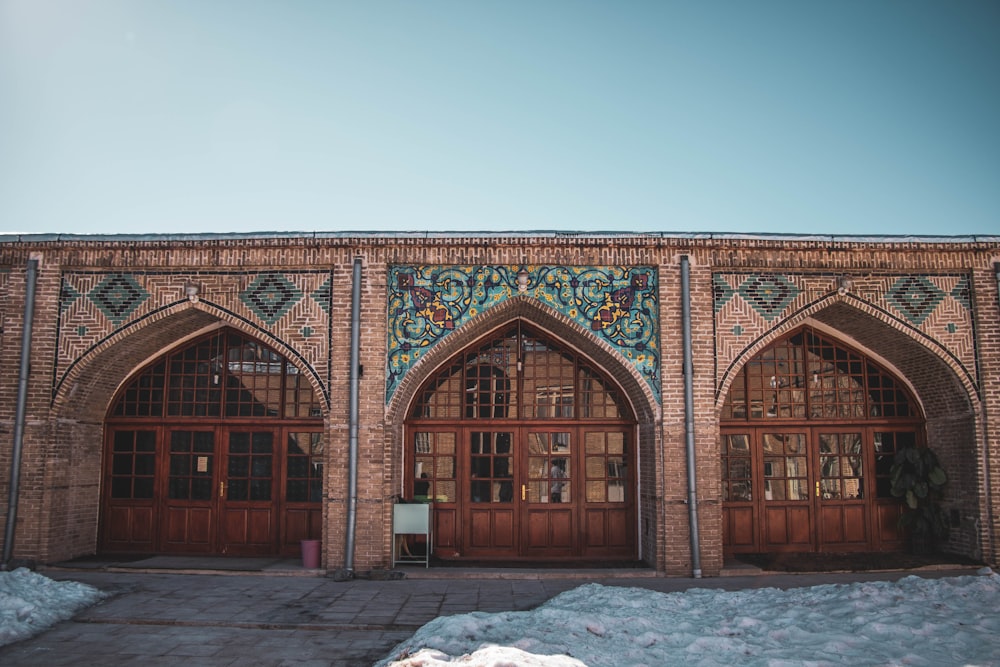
[987, 472]
[22, 401]
[352, 409]
[689, 415]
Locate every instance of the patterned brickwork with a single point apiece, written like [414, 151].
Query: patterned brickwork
[618, 304]
[294, 307]
[936, 306]
[909, 304]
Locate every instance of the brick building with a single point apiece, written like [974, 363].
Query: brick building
[195, 394]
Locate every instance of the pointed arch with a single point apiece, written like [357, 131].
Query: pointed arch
[497, 504]
[95, 376]
[947, 396]
[904, 349]
[635, 388]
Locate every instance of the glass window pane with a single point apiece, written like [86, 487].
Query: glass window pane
[595, 492]
[143, 488]
[121, 487]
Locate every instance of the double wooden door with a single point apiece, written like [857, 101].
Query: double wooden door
[536, 493]
[221, 496]
[231, 491]
[808, 489]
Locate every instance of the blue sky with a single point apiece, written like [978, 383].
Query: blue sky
[184, 116]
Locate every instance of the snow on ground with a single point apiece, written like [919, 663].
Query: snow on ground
[932, 622]
[31, 603]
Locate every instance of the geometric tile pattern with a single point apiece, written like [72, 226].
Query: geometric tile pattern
[118, 296]
[747, 306]
[270, 296]
[722, 292]
[768, 294]
[292, 306]
[616, 303]
[915, 298]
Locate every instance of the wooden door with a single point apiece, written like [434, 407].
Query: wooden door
[785, 499]
[550, 499]
[491, 480]
[839, 489]
[607, 511]
[188, 521]
[740, 523]
[247, 513]
[130, 490]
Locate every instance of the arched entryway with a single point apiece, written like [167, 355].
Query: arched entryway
[214, 448]
[809, 430]
[527, 451]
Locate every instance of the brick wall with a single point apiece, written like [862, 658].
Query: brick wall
[60, 478]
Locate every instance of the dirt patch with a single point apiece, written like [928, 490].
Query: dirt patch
[851, 562]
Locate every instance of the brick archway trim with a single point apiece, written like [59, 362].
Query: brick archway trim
[95, 376]
[635, 388]
[834, 307]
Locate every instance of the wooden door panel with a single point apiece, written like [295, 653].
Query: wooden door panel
[247, 530]
[887, 515]
[492, 530]
[301, 523]
[129, 528]
[550, 530]
[787, 528]
[741, 529]
[607, 529]
[188, 529]
[843, 527]
[445, 525]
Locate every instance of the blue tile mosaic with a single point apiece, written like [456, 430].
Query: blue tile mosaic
[618, 304]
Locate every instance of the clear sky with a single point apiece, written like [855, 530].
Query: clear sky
[183, 116]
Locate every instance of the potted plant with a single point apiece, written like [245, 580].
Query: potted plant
[918, 478]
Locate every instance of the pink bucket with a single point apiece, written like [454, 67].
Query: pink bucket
[310, 554]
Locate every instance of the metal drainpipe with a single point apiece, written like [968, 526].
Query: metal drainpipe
[352, 409]
[22, 400]
[689, 415]
[987, 483]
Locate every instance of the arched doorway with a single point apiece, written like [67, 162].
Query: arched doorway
[809, 430]
[213, 448]
[526, 450]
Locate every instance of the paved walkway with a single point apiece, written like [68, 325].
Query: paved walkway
[282, 615]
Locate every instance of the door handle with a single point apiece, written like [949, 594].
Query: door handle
[817, 489]
[524, 492]
[222, 489]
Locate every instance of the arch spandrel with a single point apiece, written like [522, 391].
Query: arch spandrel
[96, 375]
[428, 304]
[902, 318]
[290, 310]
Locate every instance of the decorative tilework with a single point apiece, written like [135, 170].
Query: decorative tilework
[747, 306]
[323, 295]
[961, 294]
[769, 295]
[94, 305]
[118, 296]
[618, 304]
[67, 296]
[915, 297]
[721, 291]
[270, 296]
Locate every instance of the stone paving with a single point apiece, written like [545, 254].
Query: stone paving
[269, 620]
